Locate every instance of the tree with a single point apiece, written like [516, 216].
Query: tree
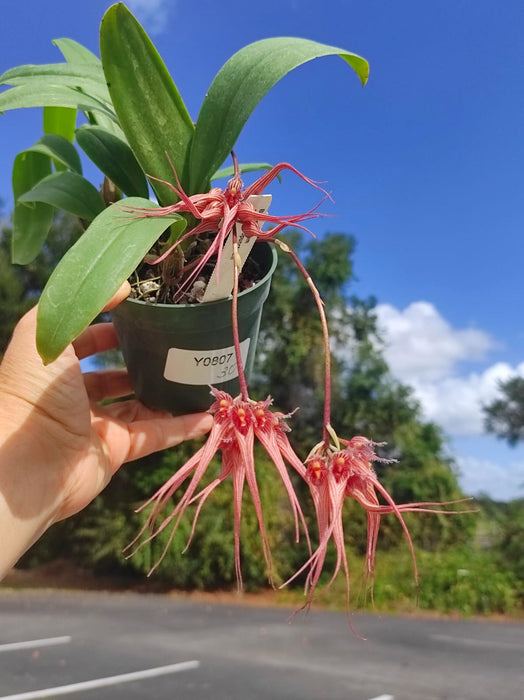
[366, 400]
[505, 416]
[20, 286]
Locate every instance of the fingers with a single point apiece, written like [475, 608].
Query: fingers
[150, 431]
[149, 436]
[95, 339]
[123, 293]
[101, 336]
[107, 384]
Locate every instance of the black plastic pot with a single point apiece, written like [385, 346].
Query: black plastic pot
[174, 353]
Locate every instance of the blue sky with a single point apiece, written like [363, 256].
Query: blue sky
[426, 167]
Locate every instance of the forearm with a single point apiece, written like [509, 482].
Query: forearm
[25, 514]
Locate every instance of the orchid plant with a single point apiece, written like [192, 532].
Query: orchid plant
[138, 132]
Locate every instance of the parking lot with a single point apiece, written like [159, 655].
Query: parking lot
[97, 645]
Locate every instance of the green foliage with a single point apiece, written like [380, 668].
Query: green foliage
[505, 416]
[142, 128]
[459, 580]
[111, 259]
[20, 286]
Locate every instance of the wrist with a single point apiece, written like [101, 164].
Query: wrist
[25, 513]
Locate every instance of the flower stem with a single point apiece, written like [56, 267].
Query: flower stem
[325, 333]
[234, 314]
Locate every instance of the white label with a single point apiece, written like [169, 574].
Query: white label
[220, 283]
[204, 367]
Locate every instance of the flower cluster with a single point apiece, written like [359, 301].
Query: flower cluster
[334, 474]
[334, 470]
[236, 425]
[219, 210]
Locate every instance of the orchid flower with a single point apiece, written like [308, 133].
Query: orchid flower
[236, 425]
[219, 210]
[335, 469]
[335, 474]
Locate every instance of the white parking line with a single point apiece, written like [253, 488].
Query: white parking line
[35, 643]
[103, 682]
[379, 697]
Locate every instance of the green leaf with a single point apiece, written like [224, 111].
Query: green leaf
[60, 121]
[114, 158]
[146, 100]
[43, 95]
[73, 52]
[86, 77]
[30, 224]
[237, 89]
[92, 271]
[59, 149]
[68, 191]
[244, 168]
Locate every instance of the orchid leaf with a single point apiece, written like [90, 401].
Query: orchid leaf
[68, 191]
[44, 95]
[244, 168]
[114, 158]
[93, 269]
[60, 150]
[237, 89]
[85, 77]
[30, 224]
[150, 110]
[60, 121]
[73, 52]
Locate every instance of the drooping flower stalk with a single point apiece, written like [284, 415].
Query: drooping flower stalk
[325, 335]
[335, 469]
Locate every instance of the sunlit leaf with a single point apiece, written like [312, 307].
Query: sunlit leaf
[237, 89]
[92, 271]
[146, 100]
[30, 224]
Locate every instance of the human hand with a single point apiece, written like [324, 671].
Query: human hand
[58, 446]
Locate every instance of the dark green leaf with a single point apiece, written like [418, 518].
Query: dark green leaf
[59, 149]
[114, 158]
[68, 191]
[30, 224]
[92, 271]
[146, 100]
[238, 88]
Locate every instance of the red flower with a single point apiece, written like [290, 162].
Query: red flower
[219, 210]
[349, 473]
[236, 424]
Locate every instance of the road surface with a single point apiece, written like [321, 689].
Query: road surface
[101, 646]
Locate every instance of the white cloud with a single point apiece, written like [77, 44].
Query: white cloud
[502, 481]
[423, 346]
[424, 351]
[153, 14]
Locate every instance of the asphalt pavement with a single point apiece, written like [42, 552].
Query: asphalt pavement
[124, 645]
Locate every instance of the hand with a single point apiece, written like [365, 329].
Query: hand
[58, 447]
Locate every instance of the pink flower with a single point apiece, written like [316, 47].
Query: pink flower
[236, 424]
[349, 473]
[219, 210]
